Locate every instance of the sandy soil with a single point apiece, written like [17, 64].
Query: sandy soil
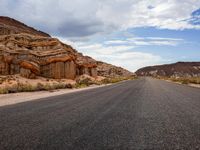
[192, 85]
[14, 79]
[14, 98]
[195, 85]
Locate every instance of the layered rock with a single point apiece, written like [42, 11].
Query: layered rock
[32, 56]
[179, 69]
[86, 65]
[12, 26]
[108, 70]
[30, 53]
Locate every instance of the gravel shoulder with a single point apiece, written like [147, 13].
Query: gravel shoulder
[14, 98]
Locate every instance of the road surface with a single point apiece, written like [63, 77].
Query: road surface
[141, 114]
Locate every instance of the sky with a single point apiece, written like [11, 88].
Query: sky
[127, 33]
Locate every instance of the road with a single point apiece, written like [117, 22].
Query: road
[140, 114]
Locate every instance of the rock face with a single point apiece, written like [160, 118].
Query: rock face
[12, 26]
[179, 69]
[108, 70]
[31, 53]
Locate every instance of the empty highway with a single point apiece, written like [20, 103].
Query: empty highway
[139, 114]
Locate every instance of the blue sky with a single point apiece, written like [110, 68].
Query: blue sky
[127, 33]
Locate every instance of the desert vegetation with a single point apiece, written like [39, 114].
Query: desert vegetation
[187, 80]
[16, 83]
[87, 81]
[26, 87]
[182, 80]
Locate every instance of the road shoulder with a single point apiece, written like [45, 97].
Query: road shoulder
[14, 98]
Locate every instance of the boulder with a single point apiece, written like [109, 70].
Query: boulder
[85, 79]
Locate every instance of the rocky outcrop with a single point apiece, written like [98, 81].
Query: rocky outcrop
[86, 65]
[85, 80]
[179, 69]
[12, 26]
[108, 70]
[31, 53]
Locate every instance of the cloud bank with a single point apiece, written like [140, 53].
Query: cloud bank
[80, 18]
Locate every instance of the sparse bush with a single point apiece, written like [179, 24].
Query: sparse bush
[85, 80]
[188, 80]
[26, 88]
[40, 87]
[80, 85]
[185, 81]
[47, 87]
[58, 86]
[4, 91]
[69, 86]
[115, 80]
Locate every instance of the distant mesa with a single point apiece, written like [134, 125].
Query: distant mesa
[30, 53]
[179, 69]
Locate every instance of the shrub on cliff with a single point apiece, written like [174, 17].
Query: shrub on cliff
[85, 80]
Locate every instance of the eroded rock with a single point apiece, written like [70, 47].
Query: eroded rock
[42, 56]
[30, 53]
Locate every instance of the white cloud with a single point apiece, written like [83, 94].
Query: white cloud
[144, 41]
[103, 50]
[116, 42]
[80, 18]
[123, 56]
[169, 14]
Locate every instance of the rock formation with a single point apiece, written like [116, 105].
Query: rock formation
[108, 70]
[179, 69]
[31, 53]
[12, 26]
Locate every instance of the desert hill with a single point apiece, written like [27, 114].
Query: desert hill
[179, 69]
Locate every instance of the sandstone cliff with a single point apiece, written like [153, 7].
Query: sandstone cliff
[179, 69]
[108, 70]
[31, 53]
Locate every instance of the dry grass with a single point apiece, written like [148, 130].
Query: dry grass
[21, 87]
[182, 80]
[15, 84]
[191, 80]
[103, 81]
[115, 80]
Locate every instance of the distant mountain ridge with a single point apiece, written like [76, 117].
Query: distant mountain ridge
[179, 69]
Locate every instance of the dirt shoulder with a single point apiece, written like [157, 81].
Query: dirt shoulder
[189, 84]
[14, 98]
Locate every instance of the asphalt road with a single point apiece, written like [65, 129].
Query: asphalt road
[141, 114]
